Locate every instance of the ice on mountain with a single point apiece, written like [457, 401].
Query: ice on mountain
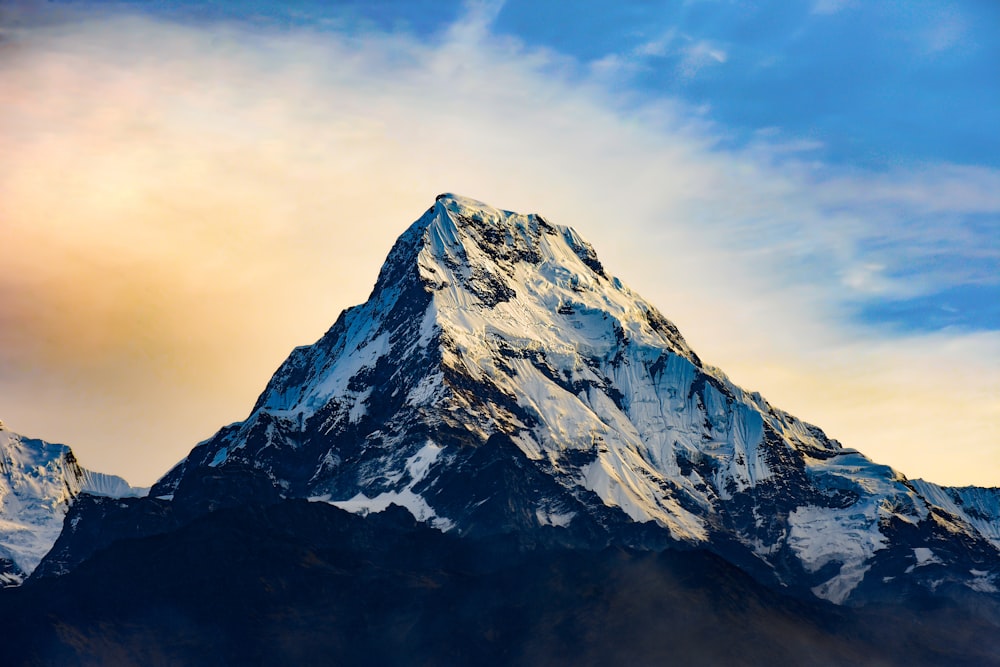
[923, 556]
[547, 518]
[220, 457]
[847, 536]
[416, 468]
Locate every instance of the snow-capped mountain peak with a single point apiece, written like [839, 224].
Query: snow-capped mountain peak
[499, 378]
[38, 482]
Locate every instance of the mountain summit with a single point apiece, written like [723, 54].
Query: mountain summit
[499, 380]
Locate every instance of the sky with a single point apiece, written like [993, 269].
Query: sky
[810, 190]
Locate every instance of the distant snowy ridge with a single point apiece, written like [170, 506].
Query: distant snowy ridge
[499, 379]
[978, 506]
[38, 482]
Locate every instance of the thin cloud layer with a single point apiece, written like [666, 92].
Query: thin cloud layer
[181, 205]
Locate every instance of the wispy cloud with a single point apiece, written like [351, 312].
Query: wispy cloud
[699, 54]
[688, 55]
[659, 47]
[182, 205]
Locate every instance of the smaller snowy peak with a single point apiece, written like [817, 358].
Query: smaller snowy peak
[38, 482]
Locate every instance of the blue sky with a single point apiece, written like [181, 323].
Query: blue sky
[810, 190]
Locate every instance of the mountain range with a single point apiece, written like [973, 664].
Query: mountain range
[526, 408]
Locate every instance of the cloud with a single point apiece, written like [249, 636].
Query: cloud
[699, 54]
[659, 47]
[181, 205]
[690, 55]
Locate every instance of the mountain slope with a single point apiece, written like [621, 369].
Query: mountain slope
[498, 380]
[38, 483]
[299, 583]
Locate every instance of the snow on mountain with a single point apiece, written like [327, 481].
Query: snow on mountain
[977, 506]
[38, 482]
[498, 378]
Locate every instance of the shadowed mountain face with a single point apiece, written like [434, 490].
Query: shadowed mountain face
[308, 584]
[550, 433]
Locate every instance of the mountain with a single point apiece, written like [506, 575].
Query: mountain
[499, 381]
[305, 583]
[39, 481]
